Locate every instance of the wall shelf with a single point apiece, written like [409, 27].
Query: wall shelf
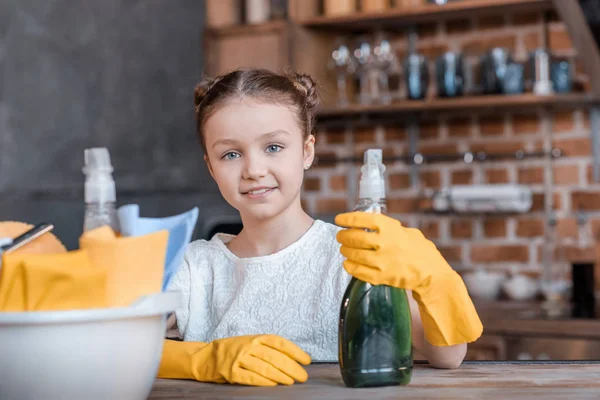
[247, 29]
[399, 17]
[466, 103]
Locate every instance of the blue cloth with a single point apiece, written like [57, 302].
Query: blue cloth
[180, 227]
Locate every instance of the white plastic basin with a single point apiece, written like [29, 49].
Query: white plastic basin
[88, 354]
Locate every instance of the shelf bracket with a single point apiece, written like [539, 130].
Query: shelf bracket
[595, 127]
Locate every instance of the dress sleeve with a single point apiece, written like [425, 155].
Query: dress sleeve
[181, 283]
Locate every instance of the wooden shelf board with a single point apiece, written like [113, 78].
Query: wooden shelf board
[428, 12]
[461, 103]
[240, 30]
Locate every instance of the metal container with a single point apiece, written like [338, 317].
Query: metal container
[450, 74]
[417, 76]
[493, 69]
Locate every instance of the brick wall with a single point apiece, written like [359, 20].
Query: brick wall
[472, 241]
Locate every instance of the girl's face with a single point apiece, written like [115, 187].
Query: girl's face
[257, 155]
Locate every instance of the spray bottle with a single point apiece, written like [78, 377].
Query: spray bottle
[100, 191]
[375, 341]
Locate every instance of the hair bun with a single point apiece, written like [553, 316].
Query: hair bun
[201, 89]
[310, 88]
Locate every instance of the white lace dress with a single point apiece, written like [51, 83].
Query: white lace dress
[295, 293]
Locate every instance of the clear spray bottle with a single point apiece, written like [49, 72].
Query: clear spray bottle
[100, 191]
[375, 341]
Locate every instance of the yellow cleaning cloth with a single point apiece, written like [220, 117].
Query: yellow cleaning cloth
[50, 282]
[135, 265]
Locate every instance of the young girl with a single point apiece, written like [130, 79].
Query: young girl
[261, 304]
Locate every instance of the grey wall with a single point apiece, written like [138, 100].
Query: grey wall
[114, 73]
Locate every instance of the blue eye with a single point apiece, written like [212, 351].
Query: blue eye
[274, 148]
[230, 156]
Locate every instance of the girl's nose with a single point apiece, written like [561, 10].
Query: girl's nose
[255, 167]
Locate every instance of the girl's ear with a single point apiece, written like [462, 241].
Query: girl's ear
[209, 166]
[309, 151]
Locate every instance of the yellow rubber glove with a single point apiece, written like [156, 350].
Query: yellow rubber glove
[402, 257]
[262, 360]
[51, 282]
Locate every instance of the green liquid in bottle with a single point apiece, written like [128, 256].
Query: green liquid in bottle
[375, 342]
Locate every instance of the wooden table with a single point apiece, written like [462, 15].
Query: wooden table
[473, 380]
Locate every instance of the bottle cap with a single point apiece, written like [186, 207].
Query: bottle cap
[372, 183]
[99, 183]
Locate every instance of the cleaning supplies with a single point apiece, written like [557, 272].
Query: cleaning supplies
[180, 227]
[375, 341]
[402, 257]
[100, 191]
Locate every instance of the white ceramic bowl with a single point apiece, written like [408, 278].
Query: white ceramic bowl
[483, 284]
[84, 354]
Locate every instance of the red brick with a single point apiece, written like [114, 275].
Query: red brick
[326, 155]
[495, 21]
[574, 147]
[560, 40]
[586, 201]
[532, 41]
[394, 133]
[525, 18]
[504, 146]
[458, 26]
[586, 120]
[430, 229]
[567, 228]
[563, 121]
[337, 182]
[365, 135]
[336, 136]
[401, 205]
[504, 253]
[590, 174]
[530, 227]
[494, 227]
[565, 174]
[331, 205]
[399, 181]
[531, 175]
[431, 179]
[596, 229]
[461, 229]
[429, 130]
[459, 127]
[451, 253]
[538, 202]
[526, 123]
[479, 45]
[427, 31]
[579, 254]
[464, 177]
[432, 51]
[438, 149]
[312, 184]
[491, 126]
[497, 175]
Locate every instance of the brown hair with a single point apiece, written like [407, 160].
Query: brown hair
[291, 89]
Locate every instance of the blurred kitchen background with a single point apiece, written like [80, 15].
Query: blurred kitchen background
[487, 111]
[113, 73]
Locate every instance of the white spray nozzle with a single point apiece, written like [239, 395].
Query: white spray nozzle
[99, 183]
[97, 159]
[372, 183]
